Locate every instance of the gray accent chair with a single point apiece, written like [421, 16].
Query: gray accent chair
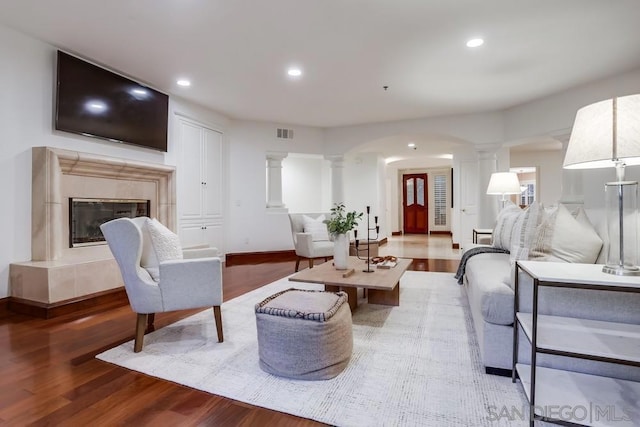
[183, 283]
[304, 245]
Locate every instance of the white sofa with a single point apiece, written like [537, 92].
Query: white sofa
[488, 281]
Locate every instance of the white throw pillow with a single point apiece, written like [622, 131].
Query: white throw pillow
[505, 225]
[161, 244]
[524, 231]
[563, 237]
[316, 227]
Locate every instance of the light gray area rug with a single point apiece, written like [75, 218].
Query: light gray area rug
[413, 365]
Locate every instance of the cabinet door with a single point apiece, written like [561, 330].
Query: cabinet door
[192, 235]
[212, 173]
[213, 236]
[190, 176]
[196, 234]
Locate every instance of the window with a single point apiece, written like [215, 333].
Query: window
[528, 194]
[440, 200]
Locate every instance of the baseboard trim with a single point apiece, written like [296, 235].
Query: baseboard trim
[383, 241]
[501, 372]
[396, 233]
[455, 246]
[4, 307]
[244, 258]
[99, 301]
[440, 232]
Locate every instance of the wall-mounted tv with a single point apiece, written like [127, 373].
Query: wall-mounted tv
[93, 101]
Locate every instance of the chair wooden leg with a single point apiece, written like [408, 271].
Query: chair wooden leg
[217, 314]
[141, 323]
[297, 264]
[310, 262]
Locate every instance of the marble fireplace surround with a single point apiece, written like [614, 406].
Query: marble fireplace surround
[58, 274]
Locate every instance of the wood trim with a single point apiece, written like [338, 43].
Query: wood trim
[4, 307]
[455, 246]
[244, 258]
[396, 233]
[99, 301]
[441, 232]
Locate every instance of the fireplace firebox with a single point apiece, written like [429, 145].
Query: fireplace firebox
[87, 215]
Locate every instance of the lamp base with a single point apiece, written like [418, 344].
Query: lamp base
[621, 270]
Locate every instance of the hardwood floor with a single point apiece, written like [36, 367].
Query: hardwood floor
[49, 374]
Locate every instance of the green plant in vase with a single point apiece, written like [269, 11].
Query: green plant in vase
[338, 225]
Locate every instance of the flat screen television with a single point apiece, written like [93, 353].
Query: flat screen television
[93, 101]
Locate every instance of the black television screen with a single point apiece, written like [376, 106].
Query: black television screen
[93, 101]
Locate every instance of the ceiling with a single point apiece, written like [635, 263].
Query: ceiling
[236, 52]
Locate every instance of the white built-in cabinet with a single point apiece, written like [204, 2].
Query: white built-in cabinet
[200, 185]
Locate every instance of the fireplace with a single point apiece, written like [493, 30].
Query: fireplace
[60, 271]
[87, 215]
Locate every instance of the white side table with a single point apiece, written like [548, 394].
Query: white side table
[481, 231]
[578, 338]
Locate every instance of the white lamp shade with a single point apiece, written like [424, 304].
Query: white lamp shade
[593, 142]
[504, 183]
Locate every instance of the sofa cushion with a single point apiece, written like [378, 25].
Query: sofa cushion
[316, 227]
[488, 278]
[565, 238]
[505, 224]
[524, 231]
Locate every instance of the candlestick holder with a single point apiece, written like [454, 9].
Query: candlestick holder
[369, 230]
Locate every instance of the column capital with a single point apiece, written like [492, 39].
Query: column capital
[337, 160]
[276, 155]
[487, 151]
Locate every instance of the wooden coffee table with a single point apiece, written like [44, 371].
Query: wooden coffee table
[383, 285]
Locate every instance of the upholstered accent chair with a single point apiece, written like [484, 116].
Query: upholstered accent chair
[159, 276]
[311, 239]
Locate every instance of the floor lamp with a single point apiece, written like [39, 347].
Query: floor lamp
[503, 183]
[607, 134]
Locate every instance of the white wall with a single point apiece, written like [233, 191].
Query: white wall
[555, 114]
[365, 185]
[306, 183]
[250, 226]
[549, 176]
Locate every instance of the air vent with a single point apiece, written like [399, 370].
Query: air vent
[285, 133]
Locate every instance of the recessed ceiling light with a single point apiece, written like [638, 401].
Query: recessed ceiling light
[411, 144]
[475, 42]
[184, 83]
[294, 72]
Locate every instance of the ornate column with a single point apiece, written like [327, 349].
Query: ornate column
[487, 205]
[274, 179]
[337, 178]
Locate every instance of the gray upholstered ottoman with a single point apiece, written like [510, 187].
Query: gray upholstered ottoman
[304, 335]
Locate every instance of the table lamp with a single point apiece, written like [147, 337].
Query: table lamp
[503, 183]
[607, 134]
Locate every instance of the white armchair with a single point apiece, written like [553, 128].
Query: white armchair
[181, 283]
[310, 243]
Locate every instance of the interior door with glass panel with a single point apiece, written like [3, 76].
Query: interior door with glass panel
[414, 203]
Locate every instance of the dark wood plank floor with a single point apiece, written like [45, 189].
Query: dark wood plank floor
[49, 374]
